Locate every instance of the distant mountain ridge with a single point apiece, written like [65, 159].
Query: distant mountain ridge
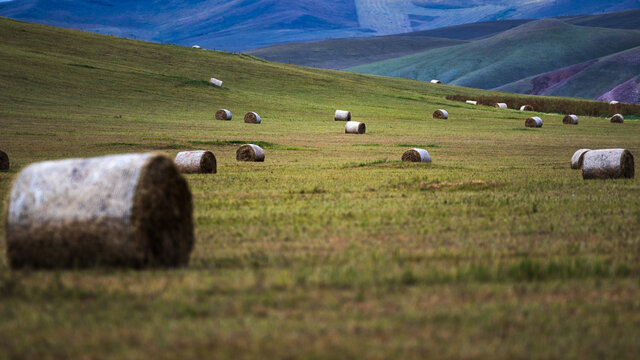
[245, 24]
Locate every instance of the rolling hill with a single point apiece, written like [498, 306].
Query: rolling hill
[242, 24]
[527, 50]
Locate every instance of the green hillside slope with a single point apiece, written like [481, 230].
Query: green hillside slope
[333, 247]
[527, 50]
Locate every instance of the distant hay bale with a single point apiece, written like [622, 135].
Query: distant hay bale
[570, 119]
[533, 122]
[4, 161]
[500, 106]
[196, 46]
[472, 102]
[416, 155]
[196, 162]
[223, 114]
[252, 118]
[617, 118]
[342, 115]
[355, 127]
[526, 108]
[434, 81]
[614, 102]
[250, 152]
[132, 210]
[440, 114]
[608, 164]
[216, 82]
[577, 158]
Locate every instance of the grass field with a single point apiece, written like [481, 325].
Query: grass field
[331, 248]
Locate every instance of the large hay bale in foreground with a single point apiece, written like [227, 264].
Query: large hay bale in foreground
[252, 118]
[578, 158]
[534, 121]
[223, 114]
[472, 102]
[4, 161]
[355, 127]
[416, 155]
[526, 108]
[435, 81]
[342, 115]
[196, 162]
[130, 210]
[570, 120]
[215, 82]
[250, 152]
[617, 118]
[608, 164]
[500, 106]
[440, 114]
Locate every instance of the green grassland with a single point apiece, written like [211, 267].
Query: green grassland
[331, 248]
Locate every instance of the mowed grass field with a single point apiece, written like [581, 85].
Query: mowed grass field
[331, 248]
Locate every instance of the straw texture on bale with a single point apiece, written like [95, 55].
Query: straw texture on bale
[252, 118]
[215, 82]
[416, 155]
[196, 162]
[434, 81]
[342, 115]
[617, 118]
[250, 152]
[526, 108]
[440, 114]
[132, 210]
[355, 127]
[608, 164]
[4, 161]
[533, 122]
[472, 102]
[578, 158]
[570, 119]
[500, 105]
[223, 114]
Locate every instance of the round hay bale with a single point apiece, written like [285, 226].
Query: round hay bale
[472, 102]
[215, 82]
[416, 155]
[342, 115]
[570, 120]
[434, 81]
[223, 114]
[500, 106]
[533, 122]
[196, 162]
[355, 127]
[196, 46]
[132, 210]
[578, 158]
[608, 164]
[617, 118]
[4, 161]
[440, 114]
[614, 102]
[250, 152]
[526, 108]
[252, 118]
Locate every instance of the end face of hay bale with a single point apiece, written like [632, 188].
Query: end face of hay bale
[131, 210]
[250, 152]
[196, 162]
[4, 161]
[434, 81]
[223, 114]
[440, 114]
[252, 118]
[355, 127]
[526, 108]
[416, 155]
[570, 120]
[215, 82]
[472, 102]
[500, 106]
[617, 118]
[608, 164]
[534, 122]
[578, 158]
[342, 115]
